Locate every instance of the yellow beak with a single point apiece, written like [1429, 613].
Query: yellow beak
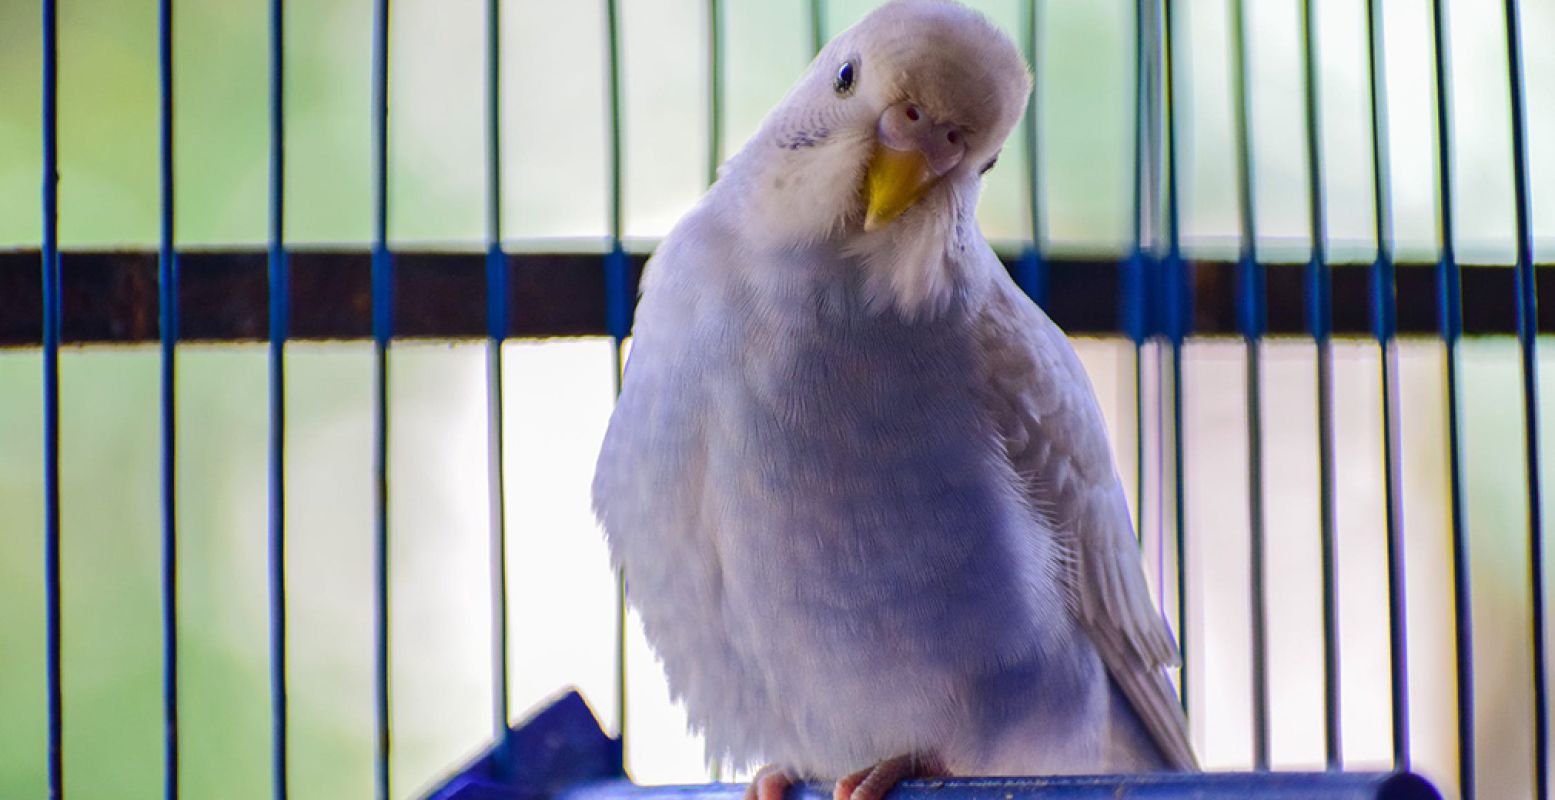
[896, 179]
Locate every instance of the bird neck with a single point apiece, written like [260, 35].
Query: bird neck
[922, 263]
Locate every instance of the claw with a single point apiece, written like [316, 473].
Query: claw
[769, 783]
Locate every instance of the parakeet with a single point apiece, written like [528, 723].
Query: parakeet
[858, 484]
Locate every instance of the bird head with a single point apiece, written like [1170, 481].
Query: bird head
[938, 86]
[900, 113]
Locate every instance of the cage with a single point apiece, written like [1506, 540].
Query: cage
[1300, 266]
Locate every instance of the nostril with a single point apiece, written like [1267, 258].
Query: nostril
[952, 137]
[912, 113]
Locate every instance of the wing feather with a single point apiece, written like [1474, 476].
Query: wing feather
[1056, 440]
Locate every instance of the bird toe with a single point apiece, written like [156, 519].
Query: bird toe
[874, 782]
[769, 783]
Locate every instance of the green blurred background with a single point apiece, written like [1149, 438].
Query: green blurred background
[555, 167]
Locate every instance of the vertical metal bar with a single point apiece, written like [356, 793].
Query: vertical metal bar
[613, 98]
[1450, 320]
[618, 308]
[1384, 326]
[1152, 473]
[715, 89]
[382, 313]
[1158, 355]
[167, 285]
[1029, 272]
[1250, 316]
[1177, 315]
[1132, 306]
[497, 330]
[51, 328]
[1319, 305]
[1527, 341]
[280, 292]
[817, 25]
[1145, 294]
[1139, 421]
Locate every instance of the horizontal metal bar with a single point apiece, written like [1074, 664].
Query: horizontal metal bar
[1204, 786]
[111, 297]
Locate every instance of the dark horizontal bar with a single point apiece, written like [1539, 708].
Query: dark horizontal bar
[111, 297]
[1178, 786]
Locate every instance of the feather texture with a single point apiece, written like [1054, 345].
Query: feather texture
[1053, 430]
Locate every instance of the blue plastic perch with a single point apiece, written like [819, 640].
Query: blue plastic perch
[562, 753]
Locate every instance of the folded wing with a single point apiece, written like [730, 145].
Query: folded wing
[1057, 442]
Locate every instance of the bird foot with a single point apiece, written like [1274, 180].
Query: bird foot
[874, 782]
[769, 783]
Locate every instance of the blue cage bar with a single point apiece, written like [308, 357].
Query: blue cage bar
[1250, 311]
[1319, 316]
[1450, 328]
[167, 306]
[50, 295]
[1176, 316]
[497, 327]
[1384, 301]
[383, 331]
[1527, 340]
[280, 319]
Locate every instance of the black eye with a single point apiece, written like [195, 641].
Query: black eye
[845, 77]
[989, 165]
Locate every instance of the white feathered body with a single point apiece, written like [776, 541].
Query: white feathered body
[857, 482]
[820, 520]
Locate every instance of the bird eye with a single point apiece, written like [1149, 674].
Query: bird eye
[846, 74]
[989, 165]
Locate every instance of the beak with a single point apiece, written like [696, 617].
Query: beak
[895, 180]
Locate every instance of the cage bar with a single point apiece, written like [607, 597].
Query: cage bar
[1176, 315]
[382, 320]
[618, 302]
[280, 295]
[1450, 328]
[1527, 344]
[1250, 318]
[818, 33]
[1029, 273]
[1319, 322]
[1131, 290]
[497, 327]
[167, 291]
[442, 296]
[715, 89]
[1384, 324]
[51, 327]
[618, 307]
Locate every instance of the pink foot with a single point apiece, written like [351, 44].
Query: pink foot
[769, 783]
[873, 783]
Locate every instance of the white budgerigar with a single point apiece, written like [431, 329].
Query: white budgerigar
[858, 483]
